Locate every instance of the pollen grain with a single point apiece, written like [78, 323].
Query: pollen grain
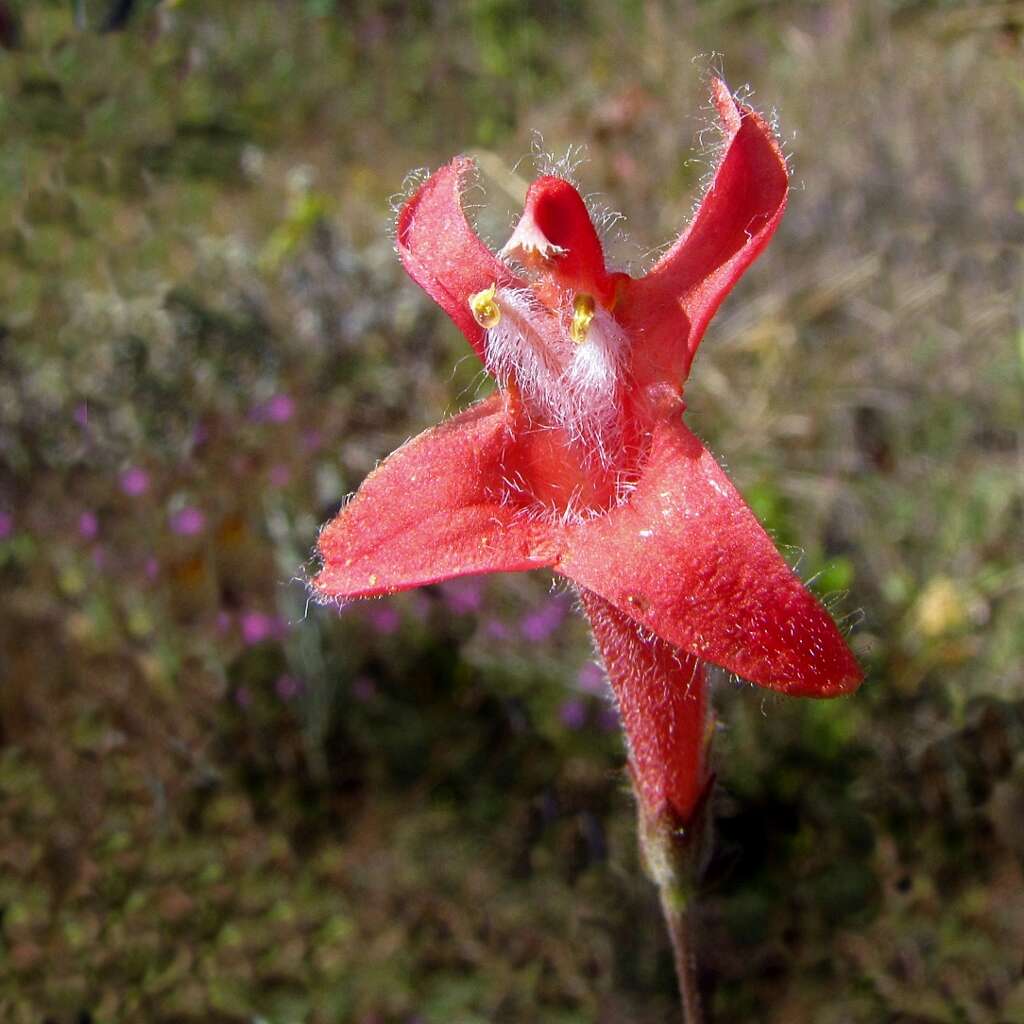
[486, 312]
[582, 314]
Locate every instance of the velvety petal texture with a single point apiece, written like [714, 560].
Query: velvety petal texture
[673, 574]
[442, 253]
[686, 558]
[431, 511]
[662, 696]
[672, 305]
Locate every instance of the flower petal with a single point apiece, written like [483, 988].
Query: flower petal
[686, 558]
[673, 304]
[432, 511]
[556, 235]
[662, 695]
[443, 254]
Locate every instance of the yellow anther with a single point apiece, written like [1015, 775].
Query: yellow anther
[486, 312]
[582, 314]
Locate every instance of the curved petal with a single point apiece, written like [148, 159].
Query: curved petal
[443, 254]
[673, 304]
[431, 511]
[662, 695]
[686, 558]
[556, 235]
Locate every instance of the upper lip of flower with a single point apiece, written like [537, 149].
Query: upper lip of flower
[528, 241]
[582, 462]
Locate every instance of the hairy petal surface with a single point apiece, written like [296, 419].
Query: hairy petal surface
[687, 559]
[432, 511]
[662, 695]
[672, 305]
[443, 254]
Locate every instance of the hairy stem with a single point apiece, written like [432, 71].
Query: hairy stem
[677, 920]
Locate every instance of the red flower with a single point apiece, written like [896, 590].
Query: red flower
[581, 461]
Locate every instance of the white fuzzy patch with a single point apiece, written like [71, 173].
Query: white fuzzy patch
[573, 386]
[591, 383]
[519, 349]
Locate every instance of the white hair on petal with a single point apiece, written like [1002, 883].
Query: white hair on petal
[564, 166]
[572, 512]
[591, 384]
[516, 350]
[469, 182]
[410, 186]
[608, 222]
[604, 218]
[573, 386]
[625, 485]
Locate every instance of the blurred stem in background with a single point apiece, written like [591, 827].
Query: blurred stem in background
[10, 27]
[118, 14]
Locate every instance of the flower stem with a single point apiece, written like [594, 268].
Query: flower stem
[674, 856]
[677, 920]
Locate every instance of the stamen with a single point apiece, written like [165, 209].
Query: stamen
[486, 312]
[582, 313]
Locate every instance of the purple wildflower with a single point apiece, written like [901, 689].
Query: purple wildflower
[383, 619]
[257, 627]
[288, 687]
[463, 596]
[188, 521]
[134, 481]
[278, 409]
[497, 630]
[539, 624]
[573, 713]
[88, 526]
[591, 678]
[280, 475]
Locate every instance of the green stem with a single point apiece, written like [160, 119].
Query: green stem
[674, 854]
[677, 920]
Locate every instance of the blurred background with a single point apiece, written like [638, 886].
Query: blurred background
[220, 803]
